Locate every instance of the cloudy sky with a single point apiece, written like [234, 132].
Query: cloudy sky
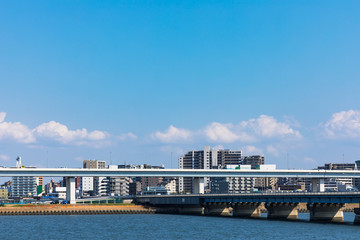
[146, 81]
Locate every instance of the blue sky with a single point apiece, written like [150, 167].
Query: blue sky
[144, 79]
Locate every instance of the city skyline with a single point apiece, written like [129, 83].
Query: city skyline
[148, 82]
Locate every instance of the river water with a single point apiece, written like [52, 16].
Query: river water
[162, 226]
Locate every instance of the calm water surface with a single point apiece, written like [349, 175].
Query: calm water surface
[169, 227]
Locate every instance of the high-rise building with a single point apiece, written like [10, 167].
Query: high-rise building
[94, 164]
[23, 187]
[118, 186]
[254, 161]
[205, 159]
[92, 185]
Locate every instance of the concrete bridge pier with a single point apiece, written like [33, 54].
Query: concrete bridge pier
[247, 210]
[357, 216]
[70, 190]
[218, 209]
[191, 210]
[198, 186]
[282, 211]
[326, 212]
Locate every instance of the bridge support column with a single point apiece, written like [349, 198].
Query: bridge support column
[247, 210]
[321, 185]
[314, 187]
[326, 212]
[191, 210]
[318, 185]
[70, 190]
[218, 209]
[357, 216]
[284, 211]
[198, 186]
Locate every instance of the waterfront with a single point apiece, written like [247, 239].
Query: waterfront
[157, 226]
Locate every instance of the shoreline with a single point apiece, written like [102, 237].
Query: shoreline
[94, 209]
[74, 209]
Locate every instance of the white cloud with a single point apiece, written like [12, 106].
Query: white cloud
[272, 150]
[97, 135]
[57, 132]
[269, 127]
[251, 150]
[345, 124]
[15, 131]
[2, 116]
[172, 134]
[218, 132]
[127, 136]
[250, 131]
[62, 134]
[4, 158]
[291, 121]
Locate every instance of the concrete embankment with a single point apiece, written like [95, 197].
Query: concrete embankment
[74, 209]
[111, 209]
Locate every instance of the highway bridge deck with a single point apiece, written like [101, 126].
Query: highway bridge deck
[191, 199]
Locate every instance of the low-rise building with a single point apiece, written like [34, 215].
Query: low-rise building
[4, 194]
[61, 192]
[232, 185]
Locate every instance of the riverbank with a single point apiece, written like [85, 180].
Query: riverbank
[74, 209]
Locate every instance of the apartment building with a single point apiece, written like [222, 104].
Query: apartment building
[205, 159]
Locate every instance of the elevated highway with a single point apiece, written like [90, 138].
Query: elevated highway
[299, 197]
[318, 176]
[199, 173]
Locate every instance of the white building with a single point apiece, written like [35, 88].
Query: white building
[87, 185]
[61, 192]
[91, 185]
[171, 186]
[101, 186]
[23, 187]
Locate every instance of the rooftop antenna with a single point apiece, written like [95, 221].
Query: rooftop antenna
[287, 159]
[18, 162]
[110, 159]
[171, 160]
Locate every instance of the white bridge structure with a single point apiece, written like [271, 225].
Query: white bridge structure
[318, 176]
